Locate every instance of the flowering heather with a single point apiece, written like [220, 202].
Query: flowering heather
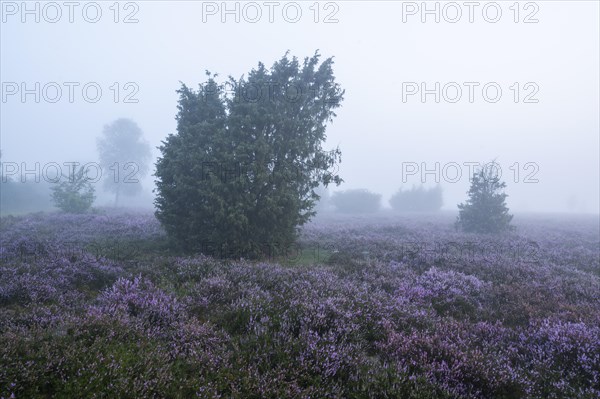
[402, 307]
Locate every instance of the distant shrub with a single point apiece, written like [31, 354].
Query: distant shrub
[18, 197]
[485, 210]
[356, 201]
[417, 199]
[75, 195]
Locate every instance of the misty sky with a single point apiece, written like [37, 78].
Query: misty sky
[375, 52]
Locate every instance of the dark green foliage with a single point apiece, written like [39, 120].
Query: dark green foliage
[124, 157]
[356, 201]
[417, 199]
[242, 169]
[75, 194]
[485, 211]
